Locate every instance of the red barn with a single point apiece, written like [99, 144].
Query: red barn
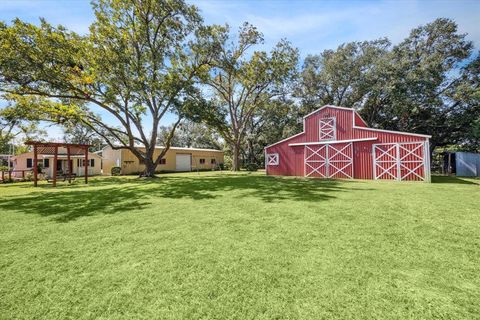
[337, 143]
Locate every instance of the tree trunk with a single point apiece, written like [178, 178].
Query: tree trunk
[236, 158]
[150, 168]
[251, 156]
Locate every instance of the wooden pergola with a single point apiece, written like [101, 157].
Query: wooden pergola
[51, 148]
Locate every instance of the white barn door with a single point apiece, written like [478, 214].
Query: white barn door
[401, 161]
[329, 161]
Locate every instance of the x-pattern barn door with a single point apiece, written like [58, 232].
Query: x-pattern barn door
[316, 161]
[329, 161]
[401, 161]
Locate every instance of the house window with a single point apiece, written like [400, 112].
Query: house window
[29, 163]
[163, 161]
[81, 162]
[272, 159]
[328, 129]
[213, 161]
[46, 163]
[202, 161]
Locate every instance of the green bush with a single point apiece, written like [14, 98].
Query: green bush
[251, 167]
[227, 162]
[116, 171]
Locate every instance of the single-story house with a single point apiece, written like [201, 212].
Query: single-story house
[176, 159]
[24, 161]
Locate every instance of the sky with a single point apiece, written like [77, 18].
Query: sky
[312, 26]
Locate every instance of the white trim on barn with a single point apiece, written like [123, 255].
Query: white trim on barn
[273, 159]
[327, 129]
[283, 140]
[395, 132]
[329, 142]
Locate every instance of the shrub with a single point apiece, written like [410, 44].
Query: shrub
[251, 167]
[227, 162]
[29, 176]
[116, 171]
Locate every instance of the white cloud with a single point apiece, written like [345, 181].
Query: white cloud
[315, 26]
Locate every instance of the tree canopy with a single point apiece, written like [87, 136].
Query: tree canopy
[191, 134]
[137, 63]
[14, 124]
[428, 83]
[242, 80]
[143, 60]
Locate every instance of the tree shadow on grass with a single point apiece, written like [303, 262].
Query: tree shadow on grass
[454, 180]
[116, 195]
[66, 205]
[266, 188]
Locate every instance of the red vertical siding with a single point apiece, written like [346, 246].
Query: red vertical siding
[359, 121]
[362, 160]
[348, 126]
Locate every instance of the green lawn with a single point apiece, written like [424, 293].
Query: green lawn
[240, 246]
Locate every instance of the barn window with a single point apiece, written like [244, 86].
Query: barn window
[213, 161]
[46, 163]
[29, 163]
[202, 161]
[328, 129]
[92, 162]
[163, 161]
[272, 159]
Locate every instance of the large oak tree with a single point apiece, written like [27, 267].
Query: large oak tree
[427, 83]
[137, 63]
[242, 80]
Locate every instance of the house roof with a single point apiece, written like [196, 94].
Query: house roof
[60, 155]
[180, 148]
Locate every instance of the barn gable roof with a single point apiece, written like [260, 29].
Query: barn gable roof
[363, 125]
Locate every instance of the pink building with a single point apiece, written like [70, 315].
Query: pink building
[24, 161]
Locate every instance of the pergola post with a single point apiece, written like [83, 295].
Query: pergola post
[86, 164]
[55, 156]
[69, 166]
[50, 148]
[35, 166]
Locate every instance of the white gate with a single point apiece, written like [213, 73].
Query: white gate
[329, 160]
[401, 161]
